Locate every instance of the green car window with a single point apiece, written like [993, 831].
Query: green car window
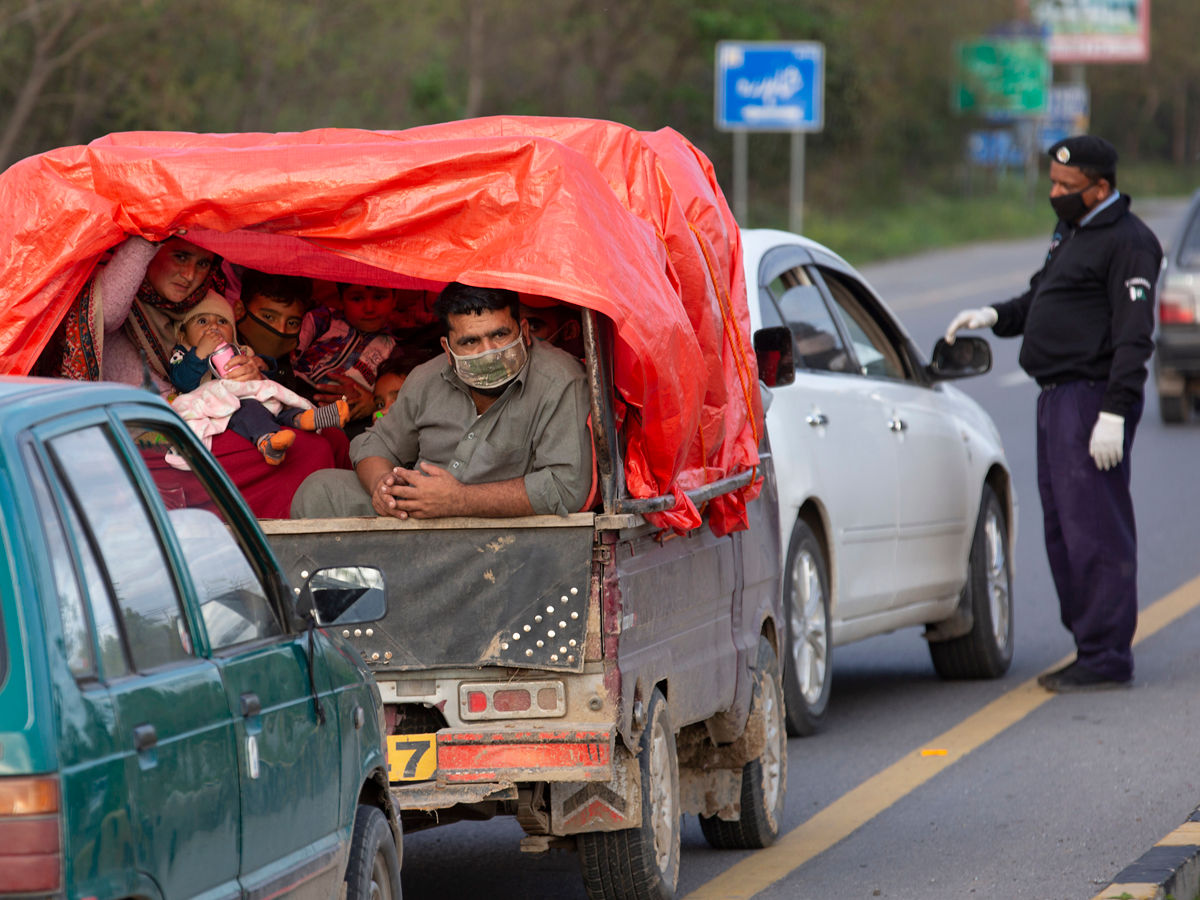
[126, 539]
[233, 602]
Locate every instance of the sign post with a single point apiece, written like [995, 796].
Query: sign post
[770, 86]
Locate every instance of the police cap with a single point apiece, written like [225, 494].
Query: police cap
[1085, 151]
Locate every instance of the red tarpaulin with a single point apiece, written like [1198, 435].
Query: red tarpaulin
[630, 224]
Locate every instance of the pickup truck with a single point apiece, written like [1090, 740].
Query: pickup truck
[594, 675]
[175, 719]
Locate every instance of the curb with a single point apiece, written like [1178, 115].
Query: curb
[1170, 869]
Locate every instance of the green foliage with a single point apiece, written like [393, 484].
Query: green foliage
[72, 70]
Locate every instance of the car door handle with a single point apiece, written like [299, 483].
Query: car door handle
[144, 737]
[817, 419]
[897, 424]
[250, 705]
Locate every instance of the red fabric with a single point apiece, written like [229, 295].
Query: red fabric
[269, 489]
[630, 224]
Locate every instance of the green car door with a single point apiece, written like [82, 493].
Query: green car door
[289, 756]
[171, 723]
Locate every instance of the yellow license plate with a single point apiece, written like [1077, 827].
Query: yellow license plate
[411, 757]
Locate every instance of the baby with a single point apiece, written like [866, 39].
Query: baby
[260, 410]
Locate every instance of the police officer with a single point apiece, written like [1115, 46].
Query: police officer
[1087, 322]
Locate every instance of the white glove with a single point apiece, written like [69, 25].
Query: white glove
[971, 318]
[1108, 440]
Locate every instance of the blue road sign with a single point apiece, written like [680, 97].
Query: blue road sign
[770, 86]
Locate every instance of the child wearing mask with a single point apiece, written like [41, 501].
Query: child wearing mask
[260, 410]
[270, 312]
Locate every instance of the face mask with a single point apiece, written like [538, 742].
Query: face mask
[265, 340]
[1070, 207]
[491, 368]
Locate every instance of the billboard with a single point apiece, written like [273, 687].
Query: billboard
[1095, 31]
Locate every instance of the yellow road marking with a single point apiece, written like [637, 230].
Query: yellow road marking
[861, 804]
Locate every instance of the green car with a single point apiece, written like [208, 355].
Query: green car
[176, 720]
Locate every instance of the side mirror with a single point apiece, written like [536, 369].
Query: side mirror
[773, 348]
[967, 356]
[345, 595]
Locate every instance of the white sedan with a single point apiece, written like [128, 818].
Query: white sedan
[895, 498]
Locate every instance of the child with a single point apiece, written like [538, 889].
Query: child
[340, 352]
[270, 312]
[388, 381]
[252, 407]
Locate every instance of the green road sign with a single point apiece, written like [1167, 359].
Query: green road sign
[1003, 77]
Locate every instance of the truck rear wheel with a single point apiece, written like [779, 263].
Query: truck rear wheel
[641, 863]
[764, 780]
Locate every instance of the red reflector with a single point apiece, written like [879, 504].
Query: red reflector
[476, 701]
[19, 837]
[27, 874]
[29, 854]
[511, 700]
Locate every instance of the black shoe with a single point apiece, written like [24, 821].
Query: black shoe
[1077, 678]
[1047, 676]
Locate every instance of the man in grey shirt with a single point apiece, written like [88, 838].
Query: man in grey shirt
[496, 428]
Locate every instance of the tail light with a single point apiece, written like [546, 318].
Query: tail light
[512, 700]
[30, 845]
[1176, 306]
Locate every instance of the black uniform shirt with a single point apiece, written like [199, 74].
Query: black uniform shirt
[1089, 312]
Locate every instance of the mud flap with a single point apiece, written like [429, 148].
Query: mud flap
[599, 806]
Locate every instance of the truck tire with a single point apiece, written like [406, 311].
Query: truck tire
[764, 780]
[641, 863]
[807, 676]
[373, 872]
[986, 650]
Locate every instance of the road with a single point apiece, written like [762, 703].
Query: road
[1036, 796]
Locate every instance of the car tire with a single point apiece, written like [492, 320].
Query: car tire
[764, 779]
[1173, 409]
[986, 650]
[807, 662]
[641, 863]
[373, 872]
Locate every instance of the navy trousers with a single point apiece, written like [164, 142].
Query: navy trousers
[1091, 538]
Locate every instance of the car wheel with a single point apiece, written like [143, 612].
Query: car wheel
[764, 779]
[373, 872]
[641, 863]
[1172, 408]
[807, 675]
[986, 650]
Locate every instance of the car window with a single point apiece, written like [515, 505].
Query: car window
[125, 538]
[818, 346]
[873, 348]
[234, 604]
[1189, 247]
[77, 637]
[126, 541]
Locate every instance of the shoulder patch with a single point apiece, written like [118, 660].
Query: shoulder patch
[1139, 288]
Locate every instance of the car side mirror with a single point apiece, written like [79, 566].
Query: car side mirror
[773, 348]
[344, 595]
[967, 356]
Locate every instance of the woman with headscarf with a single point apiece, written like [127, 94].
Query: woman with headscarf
[122, 327]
